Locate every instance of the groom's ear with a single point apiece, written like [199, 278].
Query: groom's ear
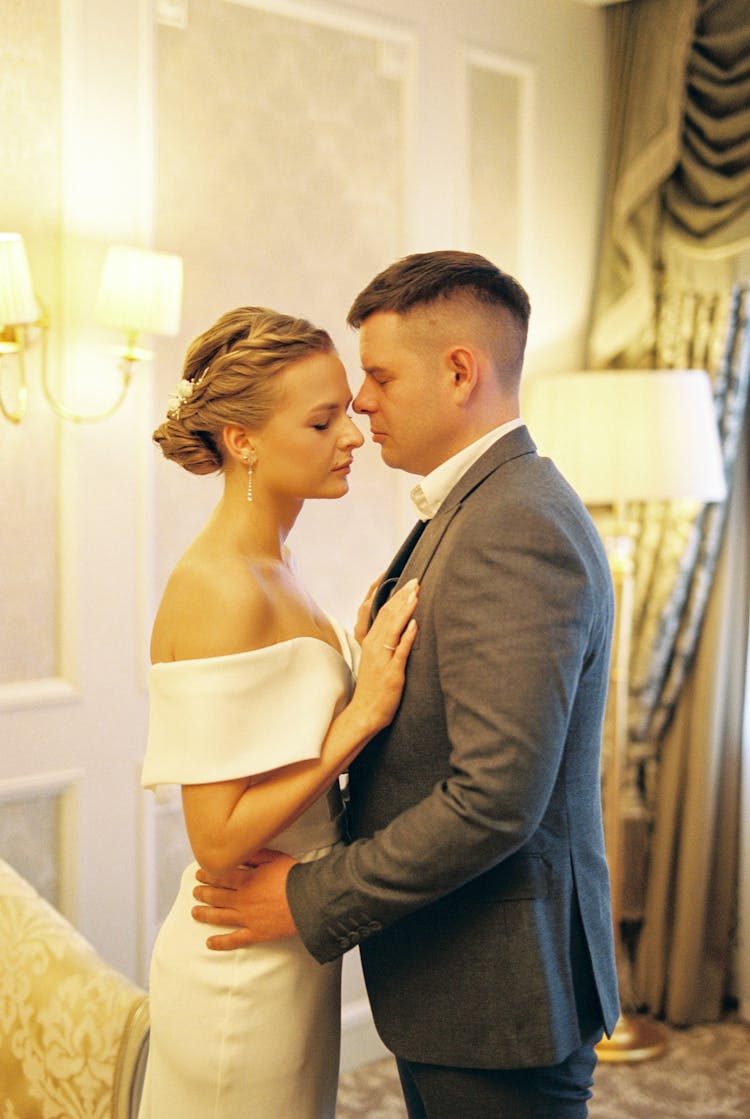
[464, 370]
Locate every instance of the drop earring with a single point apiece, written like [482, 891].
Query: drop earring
[250, 463]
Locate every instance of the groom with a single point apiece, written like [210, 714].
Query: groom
[475, 884]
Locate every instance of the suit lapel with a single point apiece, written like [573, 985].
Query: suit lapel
[396, 567]
[513, 445]
[516, 443]
[414, 555]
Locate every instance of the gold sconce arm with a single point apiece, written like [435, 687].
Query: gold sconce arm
[129, 356]
[12, 349]
[14, 343]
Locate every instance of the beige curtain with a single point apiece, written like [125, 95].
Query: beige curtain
[678, 171]
[686, 942]
[648, 43]
[679, 544]
[672, 293]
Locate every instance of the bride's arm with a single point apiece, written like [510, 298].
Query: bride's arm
[229, 820]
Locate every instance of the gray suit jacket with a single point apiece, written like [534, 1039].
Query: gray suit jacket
[476, 882]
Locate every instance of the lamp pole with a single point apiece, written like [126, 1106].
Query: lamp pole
[625, 436]
[635, 1038]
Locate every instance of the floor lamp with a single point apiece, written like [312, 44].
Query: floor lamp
[619, 437]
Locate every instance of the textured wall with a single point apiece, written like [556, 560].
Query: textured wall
[30, 204]
[279, 177]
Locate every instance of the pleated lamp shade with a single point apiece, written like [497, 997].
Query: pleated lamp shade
[140, 291]
[18, 303]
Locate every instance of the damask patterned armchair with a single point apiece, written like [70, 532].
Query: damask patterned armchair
[73, 1031]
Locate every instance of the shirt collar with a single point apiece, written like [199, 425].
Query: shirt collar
[429, 494]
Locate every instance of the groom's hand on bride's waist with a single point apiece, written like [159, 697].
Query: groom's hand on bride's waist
[251, 901]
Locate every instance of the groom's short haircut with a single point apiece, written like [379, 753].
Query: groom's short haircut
[424, 279]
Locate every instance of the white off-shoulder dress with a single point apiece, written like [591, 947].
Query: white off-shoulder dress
[252, 1033]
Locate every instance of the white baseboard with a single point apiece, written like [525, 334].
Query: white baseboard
[360, 1043]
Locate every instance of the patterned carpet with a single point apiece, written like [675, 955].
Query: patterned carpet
[705, 1074]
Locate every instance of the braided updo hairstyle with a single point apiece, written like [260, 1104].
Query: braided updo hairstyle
[233, 369]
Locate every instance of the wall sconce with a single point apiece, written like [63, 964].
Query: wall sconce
[140, 293]
[19, 312]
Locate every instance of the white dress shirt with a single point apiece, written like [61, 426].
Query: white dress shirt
[429, 494]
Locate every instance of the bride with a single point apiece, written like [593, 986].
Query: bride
[254, 711]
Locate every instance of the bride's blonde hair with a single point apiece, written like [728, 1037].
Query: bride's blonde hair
[229, 377]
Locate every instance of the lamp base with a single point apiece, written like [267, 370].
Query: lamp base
[635, 1038]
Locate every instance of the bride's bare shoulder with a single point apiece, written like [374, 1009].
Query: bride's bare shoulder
[211, 607]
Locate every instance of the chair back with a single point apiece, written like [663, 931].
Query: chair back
[73, 1030]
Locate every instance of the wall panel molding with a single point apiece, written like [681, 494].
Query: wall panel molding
[399, 52]
[495, 203]
[39, 834]
[334, 16]
[49, 692]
